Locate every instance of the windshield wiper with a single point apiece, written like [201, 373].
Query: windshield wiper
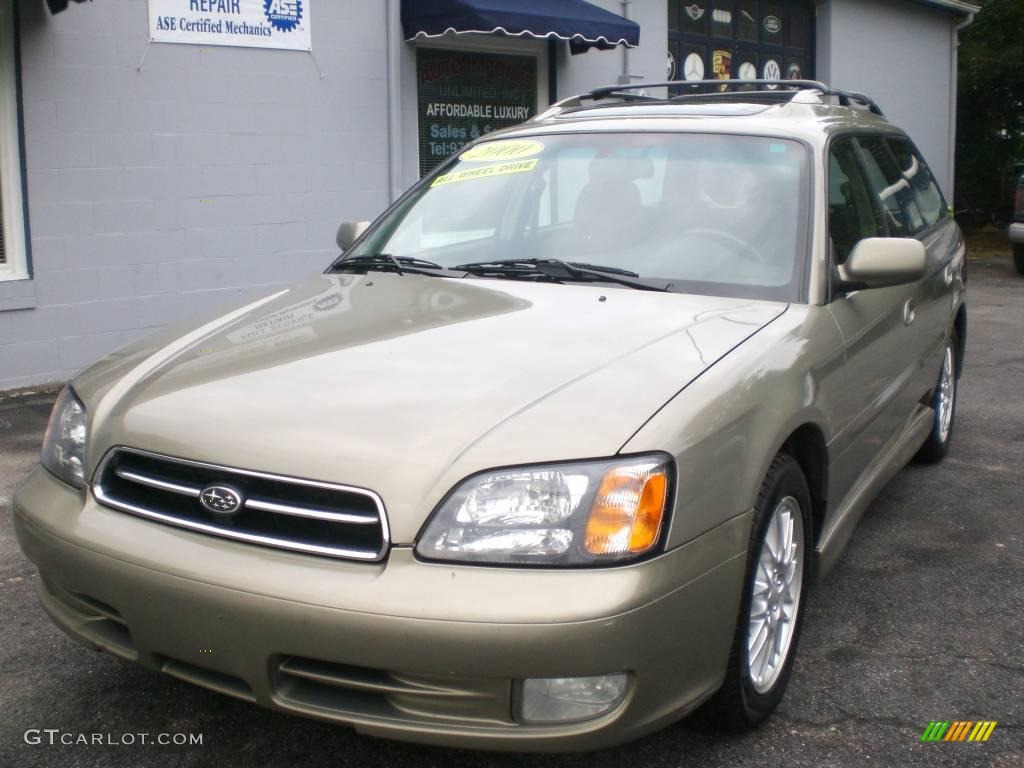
[386, 262]
[563, 271]
[601, 268]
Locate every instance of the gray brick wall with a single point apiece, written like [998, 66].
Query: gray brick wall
[210, 174]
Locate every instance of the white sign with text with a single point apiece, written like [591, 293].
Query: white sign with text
[254, 23]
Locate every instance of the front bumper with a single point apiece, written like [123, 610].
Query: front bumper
[399, 649]
[1016, 233]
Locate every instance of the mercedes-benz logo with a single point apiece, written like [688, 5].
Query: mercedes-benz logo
[693, 67]
[220, 499]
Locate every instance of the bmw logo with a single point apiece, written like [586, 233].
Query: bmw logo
[220, 499]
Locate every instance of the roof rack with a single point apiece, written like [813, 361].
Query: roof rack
[781, 90]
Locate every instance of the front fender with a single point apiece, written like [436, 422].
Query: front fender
[725, 428]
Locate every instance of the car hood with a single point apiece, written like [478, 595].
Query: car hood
[406, 384]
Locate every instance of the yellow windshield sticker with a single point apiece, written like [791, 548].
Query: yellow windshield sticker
[485, 172]
[512, 149]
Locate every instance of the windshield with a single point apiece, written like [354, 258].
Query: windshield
[713, 214]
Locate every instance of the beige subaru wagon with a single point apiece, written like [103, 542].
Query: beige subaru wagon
[552, 454]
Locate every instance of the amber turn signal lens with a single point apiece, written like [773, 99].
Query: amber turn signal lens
[628, 510]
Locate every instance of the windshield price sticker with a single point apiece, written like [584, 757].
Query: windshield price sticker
[485, 172]
[503, 150]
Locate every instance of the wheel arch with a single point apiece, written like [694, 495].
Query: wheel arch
[806, 444]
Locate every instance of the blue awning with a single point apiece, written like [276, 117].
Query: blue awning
[583, 24]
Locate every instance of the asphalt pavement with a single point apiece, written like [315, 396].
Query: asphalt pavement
[923, 619]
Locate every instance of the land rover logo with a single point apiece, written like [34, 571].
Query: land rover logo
[220, 499]
[772, 25]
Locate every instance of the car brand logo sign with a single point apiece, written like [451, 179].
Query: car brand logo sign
[772, 25]
[220, 499]
[721, 64]
[695, 12]
[693, 67]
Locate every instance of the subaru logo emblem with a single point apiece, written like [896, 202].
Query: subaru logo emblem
[220, 499]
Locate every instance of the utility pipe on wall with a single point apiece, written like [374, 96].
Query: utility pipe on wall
[394, 84]
[954, 70]
[627, 75]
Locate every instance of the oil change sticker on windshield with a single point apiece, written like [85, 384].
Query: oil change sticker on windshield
[510, 149]
[485, 172]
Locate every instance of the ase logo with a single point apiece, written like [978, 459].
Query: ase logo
[283, 15]
[958, 730]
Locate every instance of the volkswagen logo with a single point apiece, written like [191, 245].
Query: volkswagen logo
[220, 499]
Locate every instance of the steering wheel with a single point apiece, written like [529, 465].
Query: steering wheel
[741, 247]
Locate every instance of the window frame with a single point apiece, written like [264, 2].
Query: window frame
[16, 265]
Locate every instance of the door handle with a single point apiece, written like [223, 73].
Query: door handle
[909, 312]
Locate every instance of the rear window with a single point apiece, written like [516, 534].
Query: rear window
[915, 170]
[894, 192]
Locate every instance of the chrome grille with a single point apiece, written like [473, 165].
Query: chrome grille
[283, 512]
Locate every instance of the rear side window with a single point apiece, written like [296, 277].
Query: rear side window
[915, 170]
[894, 192]
[852, 213]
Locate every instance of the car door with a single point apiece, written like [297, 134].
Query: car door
[881, 360]
[939, 293]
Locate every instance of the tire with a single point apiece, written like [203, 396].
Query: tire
[754, 686]
[1018, 257]
[936, 446]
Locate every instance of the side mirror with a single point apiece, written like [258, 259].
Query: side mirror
[349, 232]
[879, 262]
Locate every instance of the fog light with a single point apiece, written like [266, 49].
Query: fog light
[570, 699]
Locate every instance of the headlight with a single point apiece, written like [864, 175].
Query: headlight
[561, 514]
[64, 443]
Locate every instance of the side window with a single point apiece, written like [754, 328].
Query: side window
[897, 197]
[914, 169]
[852, 213]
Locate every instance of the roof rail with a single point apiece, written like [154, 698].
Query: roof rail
[697, 89]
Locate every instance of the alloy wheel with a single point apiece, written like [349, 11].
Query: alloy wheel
[775, 602]
[947, 393]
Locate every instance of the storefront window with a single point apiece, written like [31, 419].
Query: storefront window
[463, 95]
[743, 39]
